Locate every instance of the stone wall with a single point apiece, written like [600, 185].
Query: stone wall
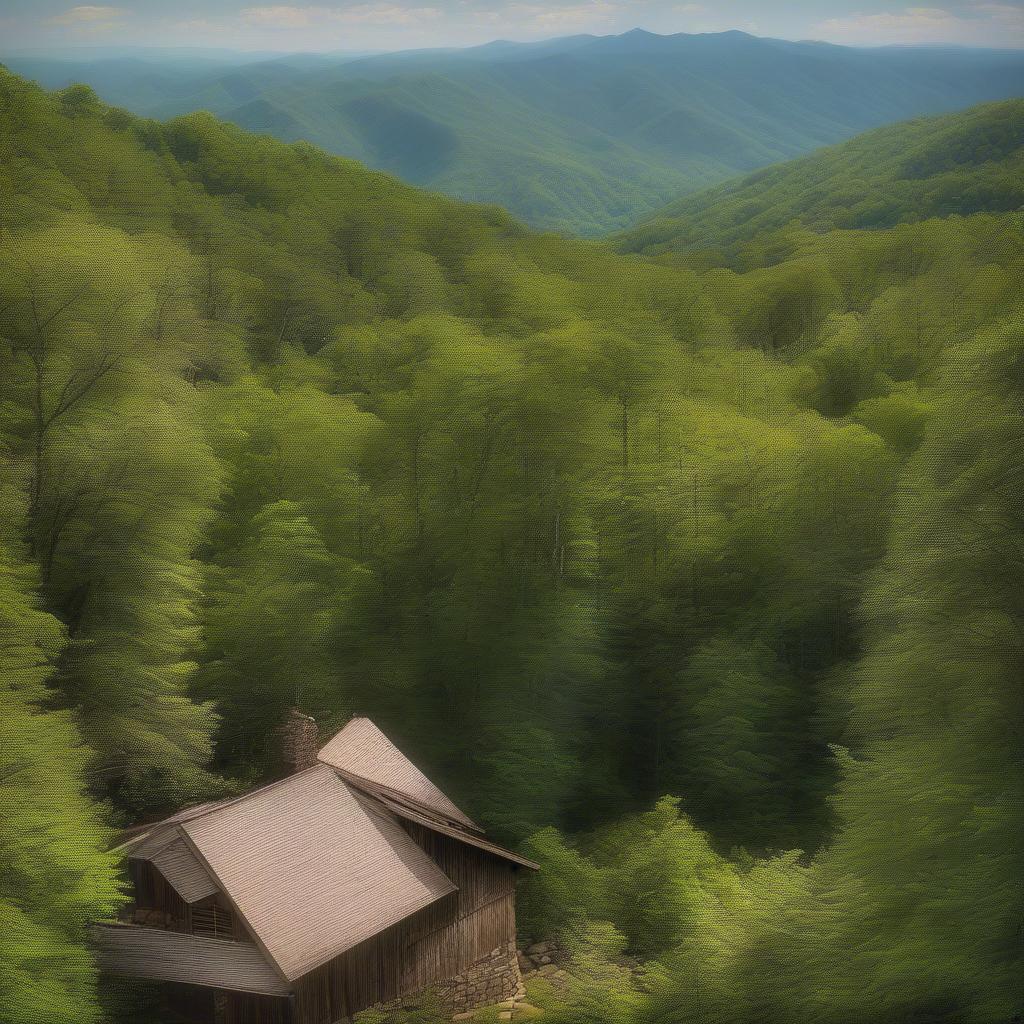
[493, 979]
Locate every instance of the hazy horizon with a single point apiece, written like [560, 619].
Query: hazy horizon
[217, 54]
[394, 25]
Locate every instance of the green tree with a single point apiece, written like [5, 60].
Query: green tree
[58, 875]
[268, 621]
[922, 885]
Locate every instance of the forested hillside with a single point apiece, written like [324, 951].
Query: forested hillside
[962, 164]
[582, 135]
[699, 585]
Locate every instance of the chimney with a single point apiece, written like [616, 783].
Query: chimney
[300, 741]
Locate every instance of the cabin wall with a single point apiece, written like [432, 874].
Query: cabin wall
[438, 944]
[243, 1008]
[158, 905]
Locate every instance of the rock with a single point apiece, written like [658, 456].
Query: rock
[468, 1015]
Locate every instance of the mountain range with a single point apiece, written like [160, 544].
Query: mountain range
[583, 134]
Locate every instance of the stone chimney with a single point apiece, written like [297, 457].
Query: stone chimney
[299, 742]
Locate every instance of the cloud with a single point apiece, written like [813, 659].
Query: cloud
[289, 17]
[555, 18]
[386, 14]
[87, 14]
[976, 24]
[280, 16]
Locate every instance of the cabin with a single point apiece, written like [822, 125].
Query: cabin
[352, 881]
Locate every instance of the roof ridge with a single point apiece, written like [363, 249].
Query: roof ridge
[367, 753]
[181, 819]
[400, 797]
[456, 832]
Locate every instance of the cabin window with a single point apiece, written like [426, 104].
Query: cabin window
[212, 921]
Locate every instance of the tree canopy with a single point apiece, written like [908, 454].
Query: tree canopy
[697, 578]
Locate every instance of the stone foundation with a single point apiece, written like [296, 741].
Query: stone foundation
[493, 979]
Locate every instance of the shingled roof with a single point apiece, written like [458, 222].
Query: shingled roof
[158, 955]
[318, 862]
[364, 754]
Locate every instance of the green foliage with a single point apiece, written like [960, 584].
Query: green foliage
[267, 630]
[578, 530]
[569, 887]
[582, 135]
[600, 988]
[962, 163]
[57, 875]
[930, 799]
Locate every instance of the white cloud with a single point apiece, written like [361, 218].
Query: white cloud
[978, 24]
[289, 17]
[283, 16]
[280, 16]
[385, 14]
[87, 14]
[554, 17]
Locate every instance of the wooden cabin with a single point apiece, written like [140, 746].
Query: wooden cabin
[351, 882]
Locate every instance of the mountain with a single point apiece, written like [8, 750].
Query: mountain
[963, 163]
[579, 529]
[582, 134]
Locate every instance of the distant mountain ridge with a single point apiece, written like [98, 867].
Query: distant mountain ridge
[585, 134]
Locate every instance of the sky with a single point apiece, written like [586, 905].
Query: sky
[358, 25]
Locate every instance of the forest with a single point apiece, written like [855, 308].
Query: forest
[583, 135]
[689, 563]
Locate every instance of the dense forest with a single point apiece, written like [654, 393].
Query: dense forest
[584, 134]
[696, 578]
[972, 162]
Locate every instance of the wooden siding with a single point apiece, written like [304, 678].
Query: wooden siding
[479, 876]
[242, 1008]
[435, 944]
[154, 892]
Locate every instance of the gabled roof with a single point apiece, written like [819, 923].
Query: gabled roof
[312, 871]
[318, 862]
[145, 841]
[185, 872]
[362, 751]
